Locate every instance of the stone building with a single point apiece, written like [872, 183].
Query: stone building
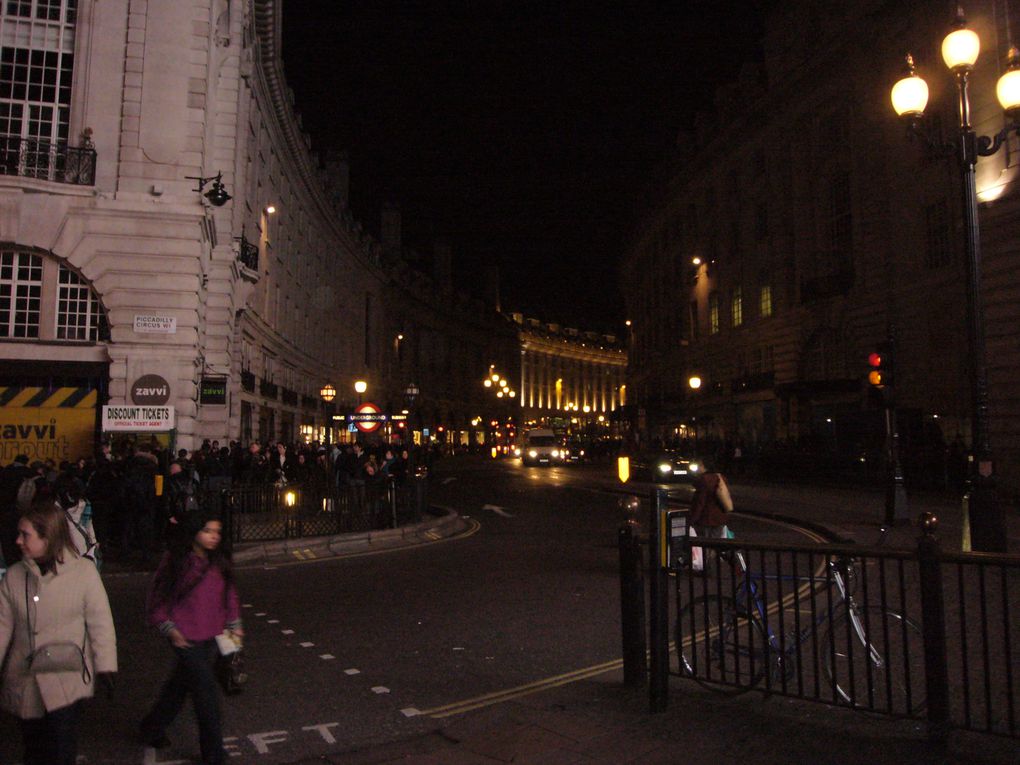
[569, 379]
[801, 228]
[169, 245]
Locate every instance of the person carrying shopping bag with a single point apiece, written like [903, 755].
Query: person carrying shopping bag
[193, 599]
[710, 507]
[57, 633]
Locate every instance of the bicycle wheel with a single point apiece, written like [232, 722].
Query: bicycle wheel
[718, 647]
[877, 663]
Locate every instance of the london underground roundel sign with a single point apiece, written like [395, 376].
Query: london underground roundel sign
[367, 417]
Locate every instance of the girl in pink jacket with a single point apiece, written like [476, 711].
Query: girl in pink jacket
[192, 600]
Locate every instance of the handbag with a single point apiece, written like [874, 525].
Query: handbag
[59, 656]
[230, 673]
[229, 668]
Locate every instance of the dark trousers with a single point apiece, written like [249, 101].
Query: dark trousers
[53, 738]
[192, 674]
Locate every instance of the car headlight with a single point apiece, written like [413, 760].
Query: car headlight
[665, 467]
[555, 453]
[532, 453]
[694, 467]
[517, 452]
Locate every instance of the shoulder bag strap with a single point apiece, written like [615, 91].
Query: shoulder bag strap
[89, 541]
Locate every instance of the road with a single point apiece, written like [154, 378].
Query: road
[349, 652]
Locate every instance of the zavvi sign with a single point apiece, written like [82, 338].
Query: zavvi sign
[150, 390]
[368, 417]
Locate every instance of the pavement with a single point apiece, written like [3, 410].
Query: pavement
[598, 719]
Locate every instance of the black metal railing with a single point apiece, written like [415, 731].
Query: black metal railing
[264, 512]
[919, 634]
[47, 160]
[248, 254]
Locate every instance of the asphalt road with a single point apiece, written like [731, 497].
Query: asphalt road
[347, 652]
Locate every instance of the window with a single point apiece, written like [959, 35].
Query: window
[737, 305]
[21, 280]
[765, 301]
[713, 313]
[36, 65]
[936, 218]
[79, 316]
[840, 222]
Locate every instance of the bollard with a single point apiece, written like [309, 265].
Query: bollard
[658, 627]
[632, 608]
[933, 618]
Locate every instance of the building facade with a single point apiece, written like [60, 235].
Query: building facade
[801, 229]
[569, 379]
[172, 250]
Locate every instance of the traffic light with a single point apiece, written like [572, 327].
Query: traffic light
[880, 366]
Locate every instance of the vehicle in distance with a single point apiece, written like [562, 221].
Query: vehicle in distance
[540, 447]
[576, 451]
[665, 467]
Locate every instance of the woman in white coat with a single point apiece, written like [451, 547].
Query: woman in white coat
[52, 596]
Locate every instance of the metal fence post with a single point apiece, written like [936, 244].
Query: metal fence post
[934, 623]
[632, 608]
[658, 628]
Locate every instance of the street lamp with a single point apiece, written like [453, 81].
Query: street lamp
[327, 393]
[960, 50]
[360, 386]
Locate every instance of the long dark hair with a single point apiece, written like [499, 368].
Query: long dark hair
[169, 584]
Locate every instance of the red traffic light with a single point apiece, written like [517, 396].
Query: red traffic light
[875, 360]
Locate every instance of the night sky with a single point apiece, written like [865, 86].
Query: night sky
[527, 132]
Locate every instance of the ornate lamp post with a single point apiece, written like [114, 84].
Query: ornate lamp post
[327, 393]
[960, 50]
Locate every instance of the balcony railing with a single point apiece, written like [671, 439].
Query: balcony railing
[47, 160]
[248, 254]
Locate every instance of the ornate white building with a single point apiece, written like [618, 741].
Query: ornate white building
[124, 269]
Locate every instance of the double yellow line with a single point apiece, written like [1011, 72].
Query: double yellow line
[507, 694]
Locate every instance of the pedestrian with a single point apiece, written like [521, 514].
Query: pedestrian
[11, 478]
[193, 599]
[711, 504]
[69, 493]
[52, 599]
[138, 504]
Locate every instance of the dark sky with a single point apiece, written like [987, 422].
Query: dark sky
[522, 131]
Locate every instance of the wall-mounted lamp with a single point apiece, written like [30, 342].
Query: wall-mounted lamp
[270, 209]
[217, 195]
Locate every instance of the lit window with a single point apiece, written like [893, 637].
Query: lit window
[765, 301]
[738, 306]
[21, 279]
[79, 316]
[713, 313]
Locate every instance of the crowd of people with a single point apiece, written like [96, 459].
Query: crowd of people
[131, 502]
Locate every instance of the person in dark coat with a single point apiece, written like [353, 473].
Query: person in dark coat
[138, 503]
[10, 481]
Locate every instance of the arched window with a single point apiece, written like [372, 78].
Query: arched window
[42, 298]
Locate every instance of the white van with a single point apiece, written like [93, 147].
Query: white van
[541, 448]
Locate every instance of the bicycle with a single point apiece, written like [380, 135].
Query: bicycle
[737, 646]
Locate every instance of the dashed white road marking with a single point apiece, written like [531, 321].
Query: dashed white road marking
[327, 657]
[260, 613]
[410, 712]
[287, 632]
[272, 621]
[352, 671]
[306, 645]
[380, 689]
